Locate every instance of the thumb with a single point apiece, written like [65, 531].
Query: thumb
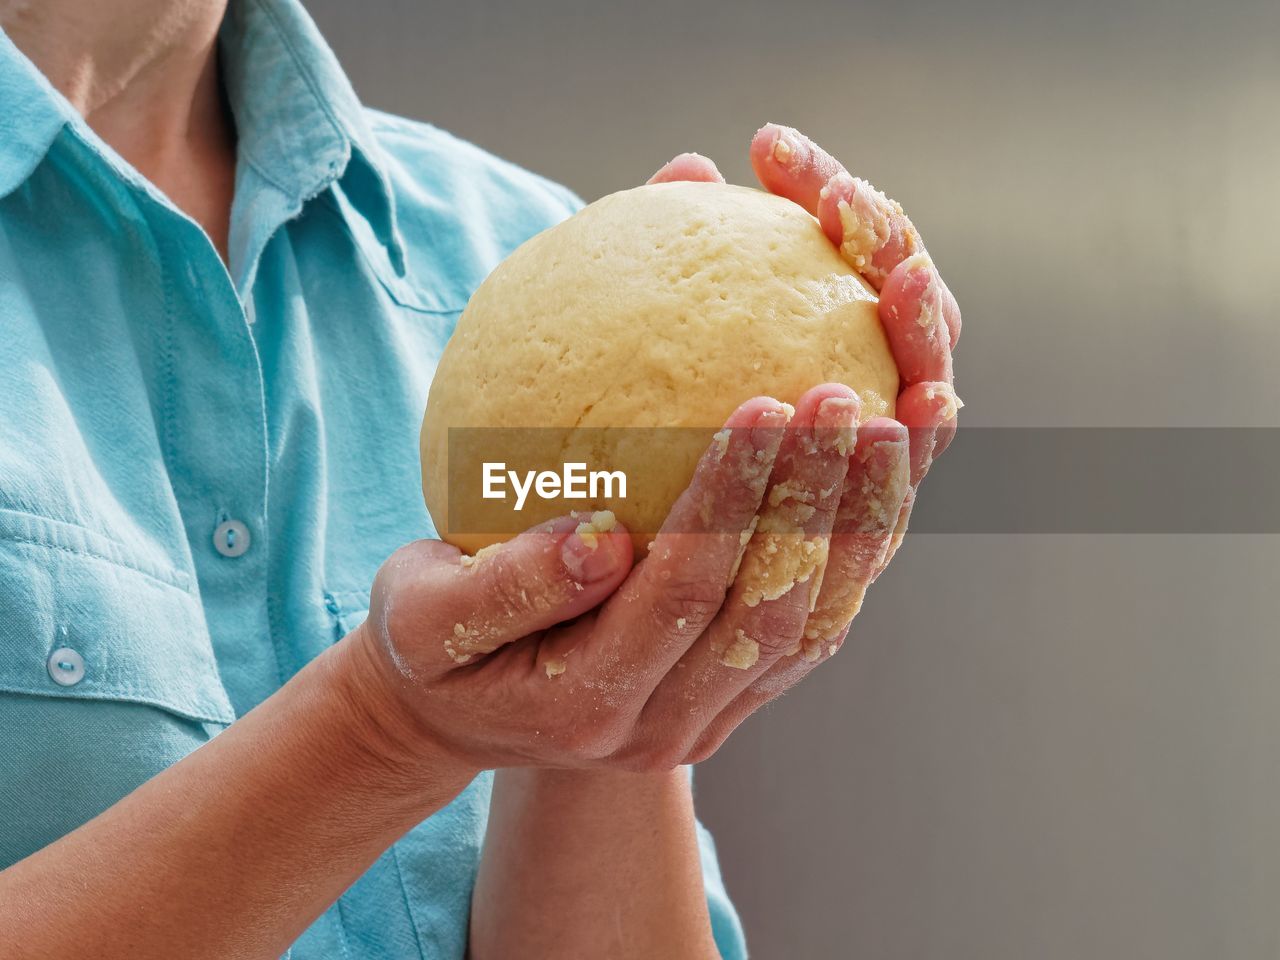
[462, 607]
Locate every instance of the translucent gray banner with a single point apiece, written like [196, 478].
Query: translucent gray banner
[990, 480]
[1104, 480]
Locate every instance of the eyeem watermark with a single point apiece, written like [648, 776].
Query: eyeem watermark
[573, 482]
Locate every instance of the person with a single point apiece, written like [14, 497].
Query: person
[230, 729]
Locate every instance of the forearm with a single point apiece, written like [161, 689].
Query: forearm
[234, 851]
[590, 865]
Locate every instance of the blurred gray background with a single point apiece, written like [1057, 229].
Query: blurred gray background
[1036, 746]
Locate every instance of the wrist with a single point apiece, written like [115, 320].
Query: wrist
[621, 847]
[590, 785]
[395, 750]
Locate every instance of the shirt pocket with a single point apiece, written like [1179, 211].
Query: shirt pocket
[107, 676]
[135, 631]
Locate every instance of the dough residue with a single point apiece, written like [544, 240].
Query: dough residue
[602, 521]
[742, 654]
[777, 561]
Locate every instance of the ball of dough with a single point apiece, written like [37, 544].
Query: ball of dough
[663, 307]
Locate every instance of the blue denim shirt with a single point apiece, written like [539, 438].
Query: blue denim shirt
[202, 467]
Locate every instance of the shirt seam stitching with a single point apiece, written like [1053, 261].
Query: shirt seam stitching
[123, 693]
[343, 946]
[94, 555]
[169, 441]
[308, 79]
[326, 200]
[408, 906]
[260, 169]
[294, 196]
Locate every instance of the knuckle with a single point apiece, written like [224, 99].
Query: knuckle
[778, 625]
[412, 573]
[421, 565]
[691, 601]
[597, 738]
[410, 561]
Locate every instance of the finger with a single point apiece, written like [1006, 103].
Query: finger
[688, 166]
[791, 165]
[929, 411]
[899, 534]
[866, 524]
[918, 314]
[780, 574]
[877, 238]
[864, 527]
[677, 589]
[874, 492]
[776, 681]
[471, 606]
[785, 561]
[553, 654]
[872, 232]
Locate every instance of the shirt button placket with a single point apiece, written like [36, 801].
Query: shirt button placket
[217, 458]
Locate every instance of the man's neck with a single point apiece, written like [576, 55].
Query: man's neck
[139, 58]
[144, 75]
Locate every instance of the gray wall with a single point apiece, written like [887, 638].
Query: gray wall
[1036, 746]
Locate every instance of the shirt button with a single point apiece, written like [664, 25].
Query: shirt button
[231, 538]
[66, 667]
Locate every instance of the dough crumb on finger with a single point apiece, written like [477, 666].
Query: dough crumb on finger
[742, 654]
[776, 561]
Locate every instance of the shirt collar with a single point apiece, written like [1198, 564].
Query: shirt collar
[33, 115]
[298, 121]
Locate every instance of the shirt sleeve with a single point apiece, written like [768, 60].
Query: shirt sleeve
[726, 926]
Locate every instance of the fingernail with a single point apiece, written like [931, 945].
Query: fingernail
[586, 554]
[885, 458]
[920, 263]
[835, 424]
[766, 430]
[881, 433]
[951, 402]
[842, 185]
[889, 448]
[864, 228]
[774, 417]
